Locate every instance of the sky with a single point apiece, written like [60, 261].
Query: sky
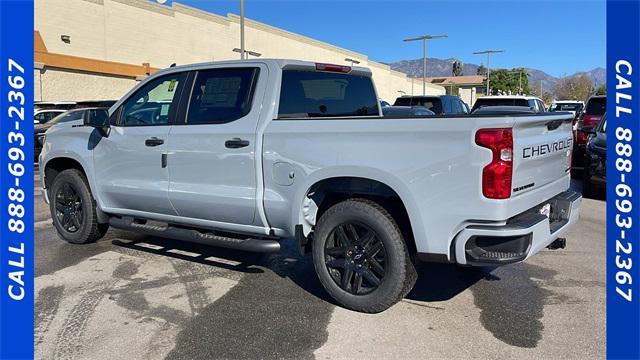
[558, 37]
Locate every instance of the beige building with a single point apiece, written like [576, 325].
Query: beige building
[467, 87]
[99, 49]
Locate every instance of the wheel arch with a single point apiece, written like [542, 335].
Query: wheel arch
[324, 190]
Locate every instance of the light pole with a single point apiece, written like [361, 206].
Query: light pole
[241, 29]
[488, 52]
[424, 39]
[352, 61]
[247, 52]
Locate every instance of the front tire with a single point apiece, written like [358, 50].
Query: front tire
[73, 209]
[360, 256]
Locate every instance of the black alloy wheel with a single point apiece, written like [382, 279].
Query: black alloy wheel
[355, 258]
[68, 207]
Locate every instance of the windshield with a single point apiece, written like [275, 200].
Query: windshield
[67, 116]
[566, 107]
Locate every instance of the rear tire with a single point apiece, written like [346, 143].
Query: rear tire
[360, 256]
[73, 209]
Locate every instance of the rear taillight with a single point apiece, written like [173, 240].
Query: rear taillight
[496, 177]
[333, 68]
[586, 121]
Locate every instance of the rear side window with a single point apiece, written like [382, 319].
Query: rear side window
[596, 106]
[324, 94]
[221, 95]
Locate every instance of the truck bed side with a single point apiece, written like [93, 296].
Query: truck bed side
[432, 163]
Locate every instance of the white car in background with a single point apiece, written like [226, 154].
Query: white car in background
[573, 106]
[45, 111]
[531, 102]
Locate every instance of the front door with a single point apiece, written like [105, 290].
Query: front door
[211, 155]
[129, 169]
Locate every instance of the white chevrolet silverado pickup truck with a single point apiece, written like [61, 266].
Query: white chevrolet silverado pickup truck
[244, 154]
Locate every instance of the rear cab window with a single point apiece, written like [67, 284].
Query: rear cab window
[596, 106]
[433, 103]
[312, 94]
[402, 101]
[500, 102]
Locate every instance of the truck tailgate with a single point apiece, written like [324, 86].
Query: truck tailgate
[542, 151]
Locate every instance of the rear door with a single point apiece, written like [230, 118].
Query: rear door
[211, 153]
[542, 150]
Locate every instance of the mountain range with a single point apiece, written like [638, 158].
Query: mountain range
[443, 67]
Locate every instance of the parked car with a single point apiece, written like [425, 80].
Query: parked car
[406, 111]
[294, 149]
[439, 104]
[573, 106]
[43, 116]
[593, 112]
[531, 102]
[503, 110]
[65, 117]
[595, 160]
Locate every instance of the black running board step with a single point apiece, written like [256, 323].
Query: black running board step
[193, 235]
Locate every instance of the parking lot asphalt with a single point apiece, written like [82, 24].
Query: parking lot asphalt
[138, 297]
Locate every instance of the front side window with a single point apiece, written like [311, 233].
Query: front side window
[152, 104]
[221, 95]
[307, 94]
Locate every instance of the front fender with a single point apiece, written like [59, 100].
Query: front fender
[70, 143]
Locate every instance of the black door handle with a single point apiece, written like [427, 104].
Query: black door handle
[154, 141]
[236, 143]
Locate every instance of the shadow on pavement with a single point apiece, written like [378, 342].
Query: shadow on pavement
[286, 264]
[441, 282]
[208, 255]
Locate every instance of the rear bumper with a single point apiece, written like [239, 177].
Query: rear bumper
[521, 237]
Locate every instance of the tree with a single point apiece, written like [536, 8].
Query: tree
[578, 87]
[546, 97]
[457, 68]
[481, 70]
[601, 90]
[503, 81]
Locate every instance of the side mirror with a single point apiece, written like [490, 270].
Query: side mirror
[99, 119]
